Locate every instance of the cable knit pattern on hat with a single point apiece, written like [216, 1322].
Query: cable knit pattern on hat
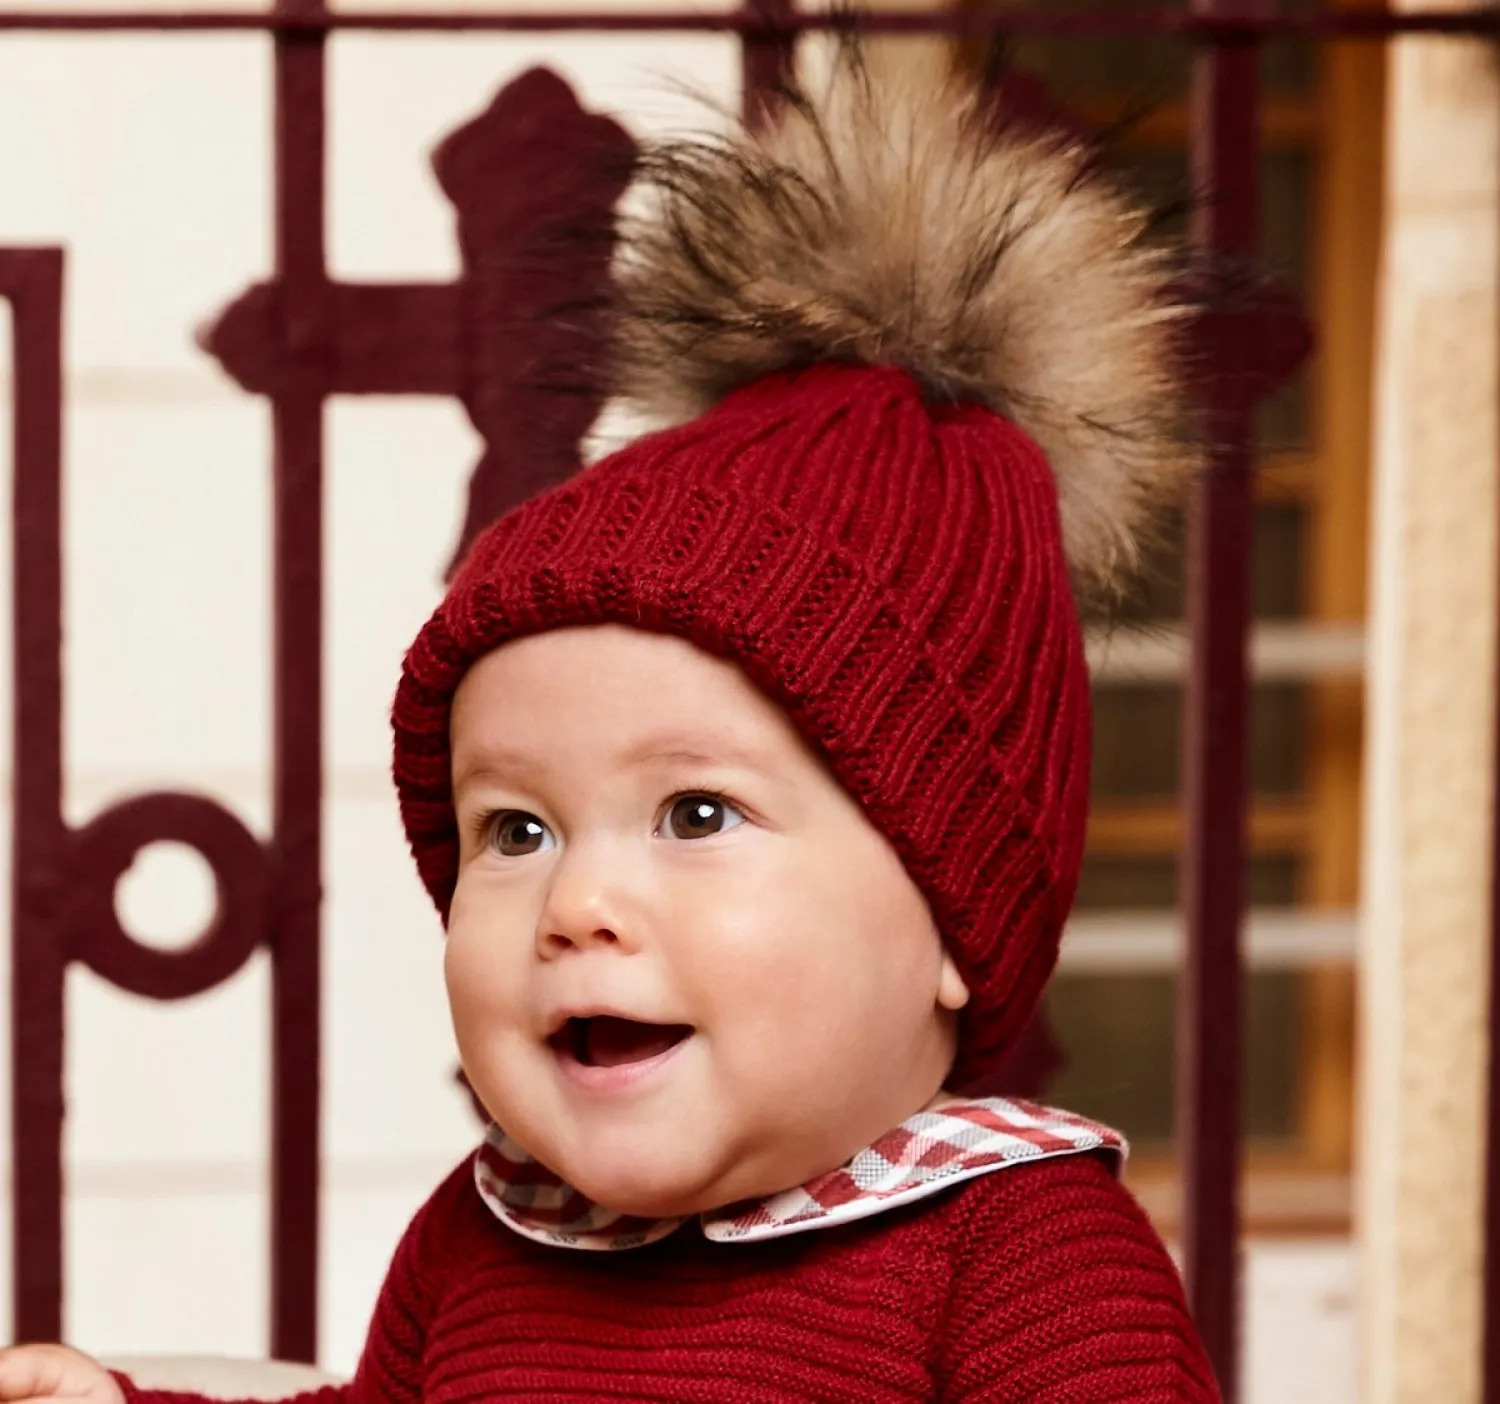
[1043, 1283]
[892, 574]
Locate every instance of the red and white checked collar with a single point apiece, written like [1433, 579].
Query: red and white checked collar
[923, 1156]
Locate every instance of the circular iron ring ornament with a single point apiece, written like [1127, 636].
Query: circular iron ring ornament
[103, 853]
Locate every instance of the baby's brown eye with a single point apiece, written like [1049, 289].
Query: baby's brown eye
[700, 816]
[515, 834]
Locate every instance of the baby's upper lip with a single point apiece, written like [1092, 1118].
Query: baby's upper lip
[560, 1020]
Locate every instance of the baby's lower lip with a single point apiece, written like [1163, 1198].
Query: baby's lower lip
[622, 1076]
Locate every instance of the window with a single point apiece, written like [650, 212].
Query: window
[1112, 1003]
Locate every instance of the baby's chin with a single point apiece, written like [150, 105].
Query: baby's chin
[644, 1194]
[663, 1189]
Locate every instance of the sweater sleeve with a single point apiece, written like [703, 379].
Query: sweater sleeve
[1063, 1292]
[390, 1367]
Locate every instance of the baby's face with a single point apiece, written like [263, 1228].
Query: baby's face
[684, 968]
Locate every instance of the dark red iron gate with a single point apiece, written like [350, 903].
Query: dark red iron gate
[302, 337]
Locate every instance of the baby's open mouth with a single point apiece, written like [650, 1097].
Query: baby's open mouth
[605, 1041]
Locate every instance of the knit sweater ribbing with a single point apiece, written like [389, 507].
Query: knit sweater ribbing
[1043, 1283]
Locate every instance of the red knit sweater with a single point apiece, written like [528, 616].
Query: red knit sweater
[1043, 1282]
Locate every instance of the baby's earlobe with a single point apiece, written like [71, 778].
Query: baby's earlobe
[953, 992]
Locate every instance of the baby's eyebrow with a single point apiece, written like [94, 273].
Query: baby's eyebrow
[725, 753]
[510, 766]
[494, 765]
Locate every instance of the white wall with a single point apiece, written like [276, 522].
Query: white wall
[149, 159]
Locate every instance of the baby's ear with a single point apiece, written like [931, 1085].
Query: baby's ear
[952, 992]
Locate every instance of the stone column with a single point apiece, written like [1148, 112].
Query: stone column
[1424, 969]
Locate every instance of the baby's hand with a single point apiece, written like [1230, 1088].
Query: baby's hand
[54, 1372]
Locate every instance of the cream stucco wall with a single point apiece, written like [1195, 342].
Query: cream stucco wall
[1425, 968]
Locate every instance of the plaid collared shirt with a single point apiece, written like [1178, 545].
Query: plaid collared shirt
[923, 1156]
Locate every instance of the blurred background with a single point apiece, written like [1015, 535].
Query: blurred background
[149, 157]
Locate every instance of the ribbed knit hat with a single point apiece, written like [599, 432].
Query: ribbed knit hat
[919, 367]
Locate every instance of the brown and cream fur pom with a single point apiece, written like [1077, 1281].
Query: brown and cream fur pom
[902, 222]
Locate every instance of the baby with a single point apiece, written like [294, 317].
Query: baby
[749, 772]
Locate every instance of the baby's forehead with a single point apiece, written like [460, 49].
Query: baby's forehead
[617, 697]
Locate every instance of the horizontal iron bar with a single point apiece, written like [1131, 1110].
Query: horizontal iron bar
[1333, 23]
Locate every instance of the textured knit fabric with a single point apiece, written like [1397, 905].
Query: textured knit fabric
[926, 1155]
[891, 573]
[1044, 1284]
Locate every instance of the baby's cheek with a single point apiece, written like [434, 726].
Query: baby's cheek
[487, 1029]
[480, 988]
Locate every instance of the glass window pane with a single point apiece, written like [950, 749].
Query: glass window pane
[1130, 881]
[1117, 1032]
[1117, 882]
[1289, 66]
[1137, 740]
[1141, 68]
[1161, 176]
[1278, 739]
[1286, 190]
[1133, 73]
[1278, 569]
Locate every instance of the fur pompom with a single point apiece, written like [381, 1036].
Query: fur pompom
[898, 221]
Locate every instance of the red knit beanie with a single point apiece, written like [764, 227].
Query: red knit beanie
[922, 366]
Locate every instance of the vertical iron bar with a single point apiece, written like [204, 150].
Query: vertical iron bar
[1225, 160]
[765, 60]
[298, 612]
[32, 279]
